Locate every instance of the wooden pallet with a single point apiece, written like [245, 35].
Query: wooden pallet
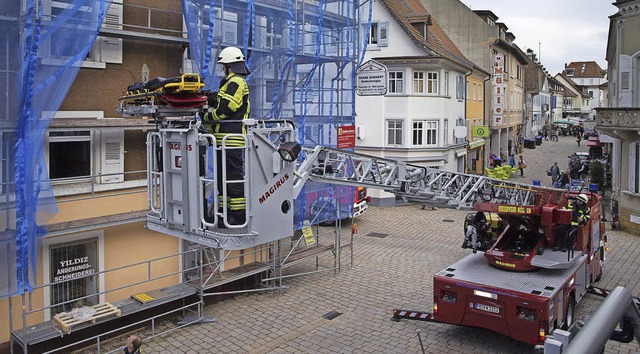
[66, 320]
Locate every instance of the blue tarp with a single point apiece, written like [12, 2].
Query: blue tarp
[42, 49]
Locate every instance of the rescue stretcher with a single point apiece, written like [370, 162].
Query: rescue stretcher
[162, 97]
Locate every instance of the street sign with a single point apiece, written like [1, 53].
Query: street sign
[371, 79]
[460, 132]
[481, 131]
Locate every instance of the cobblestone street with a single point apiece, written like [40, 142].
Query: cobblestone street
[397, 252]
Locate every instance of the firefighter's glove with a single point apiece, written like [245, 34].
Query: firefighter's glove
[212, 99]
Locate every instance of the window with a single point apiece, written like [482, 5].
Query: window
[570, 71]
[474, 91]
[519, 72]
[270, 90]
[459, 87]
[378, 34]
[69, 154]
[75, 266]
[104, 49]
[634, 167]
[417, 133]
[432, 83]
[432, 133]
[446, 83]
[445, 132]
[418, 82]
[396, 82]
[394, 132]
[467, 88]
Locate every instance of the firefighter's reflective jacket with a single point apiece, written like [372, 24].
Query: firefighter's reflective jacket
[230, 103]
[577, 211]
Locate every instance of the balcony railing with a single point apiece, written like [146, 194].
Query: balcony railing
[619, 122]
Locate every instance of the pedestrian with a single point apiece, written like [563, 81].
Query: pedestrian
[578, 139]
[522, 165]
[563, 181]
[230, 106]
[512, 161]
[580, 214]
[555, 172]
[134, 345]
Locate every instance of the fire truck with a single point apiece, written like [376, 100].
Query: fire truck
[520, 286]
[517, 285]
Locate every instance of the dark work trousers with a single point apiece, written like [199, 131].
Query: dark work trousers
[563, 239]
[235, 171]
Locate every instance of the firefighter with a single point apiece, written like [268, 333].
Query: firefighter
[579, 216]
[230, 105]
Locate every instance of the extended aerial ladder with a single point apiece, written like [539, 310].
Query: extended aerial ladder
[183, 186]
[183, 190]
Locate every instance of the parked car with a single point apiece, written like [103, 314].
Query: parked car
[589, 131]
[583, 157]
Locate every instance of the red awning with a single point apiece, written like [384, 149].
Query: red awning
[594, 141]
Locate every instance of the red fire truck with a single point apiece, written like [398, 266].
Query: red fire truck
[520, 287]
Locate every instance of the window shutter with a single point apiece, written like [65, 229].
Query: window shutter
[625, 81]
[112, 156]
[111, 48]
[383, 34]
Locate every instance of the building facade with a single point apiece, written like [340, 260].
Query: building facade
[621, 119]
[488, 44]
[590, 75]
[415, 120]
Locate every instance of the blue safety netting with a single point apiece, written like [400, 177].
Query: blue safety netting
[303, 57]
[42, 47]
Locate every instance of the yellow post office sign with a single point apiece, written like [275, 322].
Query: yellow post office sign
[481, 131]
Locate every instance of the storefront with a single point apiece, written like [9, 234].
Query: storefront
[475, 157]
[73, 264]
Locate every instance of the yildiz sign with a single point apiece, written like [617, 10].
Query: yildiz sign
[371, 79]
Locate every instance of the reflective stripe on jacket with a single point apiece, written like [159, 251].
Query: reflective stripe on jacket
[232, 103]
[578, 212]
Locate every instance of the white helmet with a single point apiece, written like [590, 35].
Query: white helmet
[582, 197]
[230, 55]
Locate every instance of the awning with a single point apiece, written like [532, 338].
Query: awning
[594, 141]
[606, 139]
[476, 144]
[568, 122]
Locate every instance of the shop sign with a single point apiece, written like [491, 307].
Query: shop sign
[347, 137]
[476, 144]
[481, 131]
[73, 269]
[371, 79]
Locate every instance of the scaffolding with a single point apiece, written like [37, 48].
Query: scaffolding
[303, 55]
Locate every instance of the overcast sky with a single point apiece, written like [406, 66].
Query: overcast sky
[568, 30]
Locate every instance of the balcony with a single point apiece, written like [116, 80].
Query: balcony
[621, 123]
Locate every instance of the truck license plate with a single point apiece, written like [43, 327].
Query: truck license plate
[487, 308]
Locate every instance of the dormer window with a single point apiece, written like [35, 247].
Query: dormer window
[420, 22]
[422, 28]
[570, 71]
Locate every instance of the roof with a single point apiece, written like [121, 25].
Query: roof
[586, 69]
[575, 86]
[438, 43]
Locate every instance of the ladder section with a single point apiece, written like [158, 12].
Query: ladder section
[421, 184]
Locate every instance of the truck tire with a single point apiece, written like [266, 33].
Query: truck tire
[570, 314]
